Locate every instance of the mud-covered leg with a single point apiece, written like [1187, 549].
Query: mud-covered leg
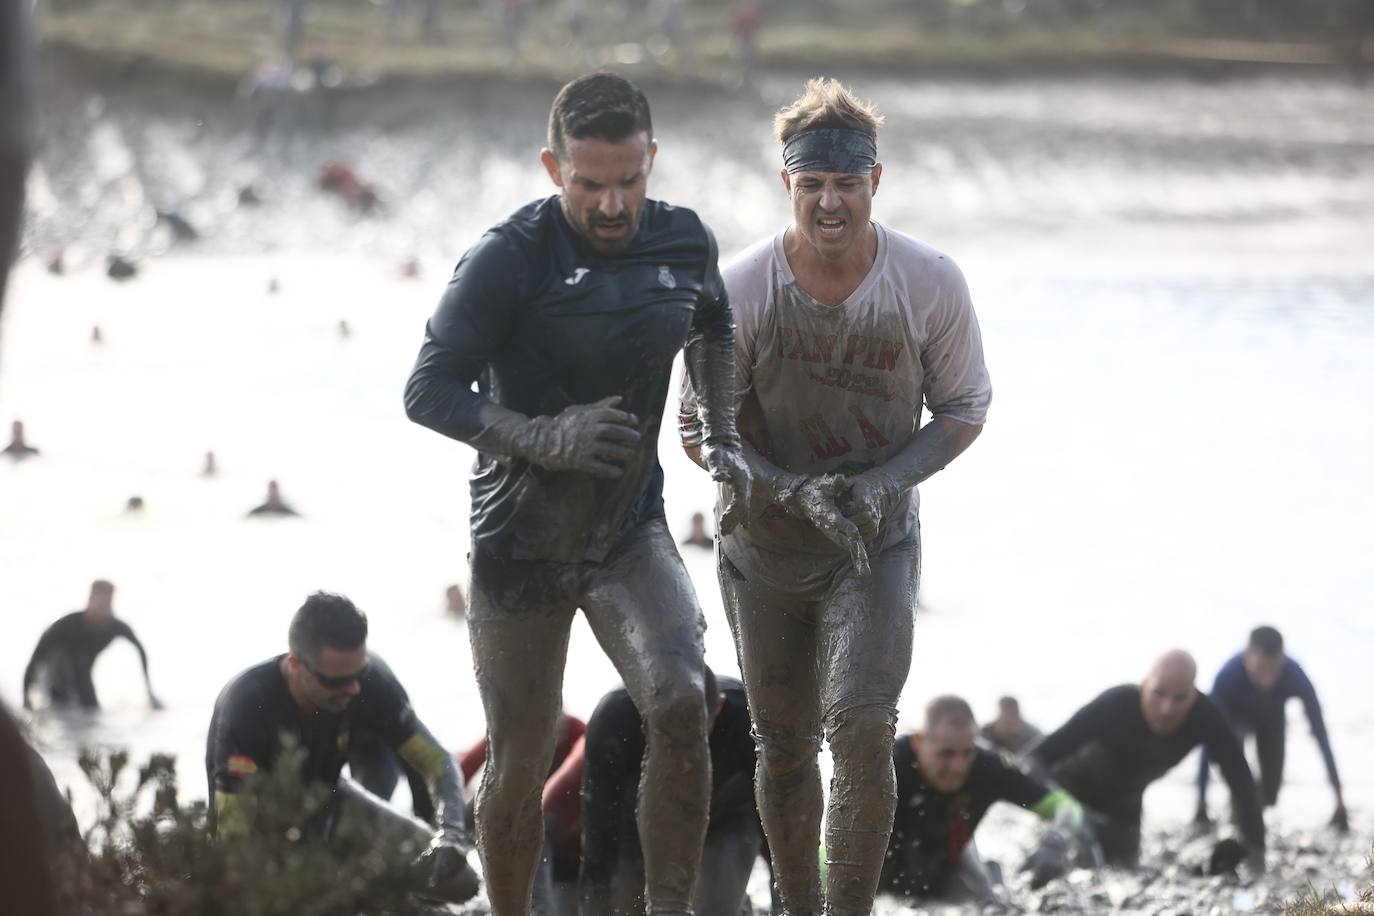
[777, 658]
[866, 633]
[519, 636]
[644, 612]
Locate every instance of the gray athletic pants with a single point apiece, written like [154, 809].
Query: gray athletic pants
[644, 613]
[834, 664]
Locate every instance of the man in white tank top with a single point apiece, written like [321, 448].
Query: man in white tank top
[844, 329]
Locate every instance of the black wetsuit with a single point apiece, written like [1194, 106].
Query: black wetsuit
[272, 509]
[67, 650]
[539, 321]
[610, 782]
[932, 828]
[1106, 756]
[255, 709]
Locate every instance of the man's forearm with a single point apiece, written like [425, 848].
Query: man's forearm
[439, 396]
[443, 780]
[710, 364]
[933, 447]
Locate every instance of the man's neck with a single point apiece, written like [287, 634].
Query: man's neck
[830, 280]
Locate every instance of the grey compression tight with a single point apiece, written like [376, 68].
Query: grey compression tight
[644, 613]
[833, 664]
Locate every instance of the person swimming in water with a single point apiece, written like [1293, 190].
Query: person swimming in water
[67, 651]
[274, 504]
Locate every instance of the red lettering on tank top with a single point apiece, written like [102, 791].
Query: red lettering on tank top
[856, 344]
[886, 356]
[873, 437]
[805, 345]
[823, 440]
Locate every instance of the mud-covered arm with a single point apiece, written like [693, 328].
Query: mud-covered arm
[710, 362]
[443, 780]
[470, 325]
[956, 389]
[610, 777]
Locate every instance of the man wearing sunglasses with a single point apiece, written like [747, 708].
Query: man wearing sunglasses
[322, 693]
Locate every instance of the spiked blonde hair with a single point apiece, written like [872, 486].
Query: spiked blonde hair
[826, 103]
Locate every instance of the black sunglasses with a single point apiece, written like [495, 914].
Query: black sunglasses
[339, 681]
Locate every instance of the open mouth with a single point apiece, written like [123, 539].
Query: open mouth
[831, 227]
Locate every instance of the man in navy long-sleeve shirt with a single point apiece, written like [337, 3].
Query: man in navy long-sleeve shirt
[1252, 689]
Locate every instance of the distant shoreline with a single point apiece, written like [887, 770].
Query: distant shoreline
[116, 42]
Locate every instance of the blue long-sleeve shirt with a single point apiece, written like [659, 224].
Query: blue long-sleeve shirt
[1247, 706]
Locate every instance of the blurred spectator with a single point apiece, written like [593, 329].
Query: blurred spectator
[292, 15]
[210, 469]
[428, 27]
[134, 506]
[96, 336]
[274, 504]
[1009, 731]
[339, 178]
[118, 267]
[697, 536]
[454, 602]
[512, 23]
[745, 18]
[19, 448]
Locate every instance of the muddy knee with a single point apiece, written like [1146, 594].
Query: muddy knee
[517, 763]
[679, 718]
[862, 735]
[786, 754]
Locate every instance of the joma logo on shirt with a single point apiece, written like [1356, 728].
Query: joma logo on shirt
[810, 347]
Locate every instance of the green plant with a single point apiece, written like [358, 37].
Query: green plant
[149, 855]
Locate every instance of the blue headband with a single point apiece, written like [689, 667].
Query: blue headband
[830, 149]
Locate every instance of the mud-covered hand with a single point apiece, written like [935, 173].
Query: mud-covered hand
[725, 461]
[443, 873]
[597, 439]
[868, 499]
[814, 500]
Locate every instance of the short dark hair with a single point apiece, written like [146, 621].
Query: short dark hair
[1266, 640]
[948, 708]
[602, 106]
[1009, 704]
[326, 619]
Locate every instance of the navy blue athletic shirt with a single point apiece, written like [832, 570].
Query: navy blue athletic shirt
[540, 321]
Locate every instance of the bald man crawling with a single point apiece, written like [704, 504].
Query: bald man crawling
[1113, 748]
